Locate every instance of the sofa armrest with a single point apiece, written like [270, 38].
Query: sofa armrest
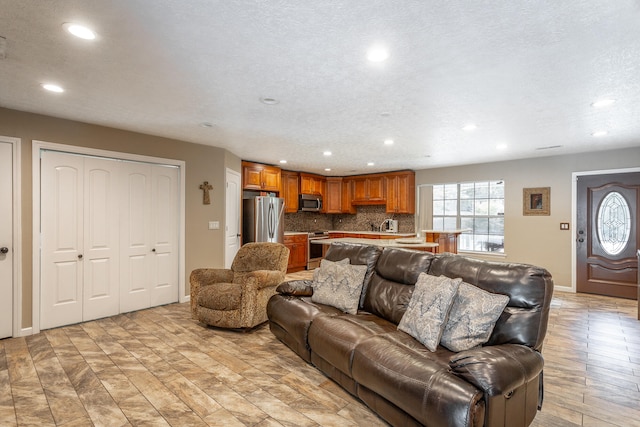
[301, 288]
[497, 369]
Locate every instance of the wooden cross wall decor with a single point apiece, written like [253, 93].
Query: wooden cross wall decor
[205, 187]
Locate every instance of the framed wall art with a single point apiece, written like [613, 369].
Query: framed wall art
[536, 201]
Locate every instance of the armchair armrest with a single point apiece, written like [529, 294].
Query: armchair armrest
[259, 279]
[207, 276]
[497, 369]
[296, 287]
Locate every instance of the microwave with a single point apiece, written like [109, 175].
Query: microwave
[310, 203]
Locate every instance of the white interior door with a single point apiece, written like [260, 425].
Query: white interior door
[165, 219]
[135, 236]
[6, 239]
[101, 287]
[233, 197]
[62, 178]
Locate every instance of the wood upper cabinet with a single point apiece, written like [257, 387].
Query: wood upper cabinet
[347, 196]
[333, 196]
[312, 184]
[256, 176]
[401, 192]
[290, 183]
[369, 190]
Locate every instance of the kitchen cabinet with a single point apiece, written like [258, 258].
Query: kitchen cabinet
[369, 190]
[347, 196]
[312, 184]
[333, 196]
[401, 192]
[297, 244]
[256, 176]
[290, 184]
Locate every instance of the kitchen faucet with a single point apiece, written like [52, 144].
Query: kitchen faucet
[383, 223]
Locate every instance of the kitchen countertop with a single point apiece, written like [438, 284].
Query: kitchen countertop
[377, 242]
[373, 233]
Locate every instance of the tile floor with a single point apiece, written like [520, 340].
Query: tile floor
[158, 367]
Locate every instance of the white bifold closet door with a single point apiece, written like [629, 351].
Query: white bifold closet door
[149, 236]
[109, 233]
[79, 232]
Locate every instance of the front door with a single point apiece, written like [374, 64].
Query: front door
[607, 234]
[6, 239]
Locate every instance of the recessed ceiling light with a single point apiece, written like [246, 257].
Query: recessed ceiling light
[600, 133]
[269, 101]
[283, 161]
[327, 169]
[377, 53]
[327, 153]
[501, 147]
[370, 164]
[388, 142]
[470, 127]
[52, 88]
[206, 125]
[601, 103]
[385, 114]
[79, 31]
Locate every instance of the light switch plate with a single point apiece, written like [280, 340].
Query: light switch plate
[564, 226]
[214, 225]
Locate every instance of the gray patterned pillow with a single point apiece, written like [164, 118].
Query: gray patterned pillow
[339, 285]
[472, 317]
[429, 308]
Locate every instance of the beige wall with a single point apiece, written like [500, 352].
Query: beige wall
[530, 239]
[204, 248]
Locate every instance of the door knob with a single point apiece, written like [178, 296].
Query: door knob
[4, 250]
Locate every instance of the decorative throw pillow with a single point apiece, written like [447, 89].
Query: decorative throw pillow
[338, 284]
[473, 315]
[429, 308]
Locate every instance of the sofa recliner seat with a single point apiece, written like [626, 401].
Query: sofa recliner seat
[498, 384]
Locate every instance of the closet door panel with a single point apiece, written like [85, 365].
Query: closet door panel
[135, 236]
[165, 235]
[61, 239]
[101, 239]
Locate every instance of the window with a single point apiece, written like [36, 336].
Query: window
[474, 206]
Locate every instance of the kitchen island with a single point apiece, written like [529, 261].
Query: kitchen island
[407, 243]
[447, 239]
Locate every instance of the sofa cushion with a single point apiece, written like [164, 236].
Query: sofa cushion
[428, 309]
[338, 285]
[403, 371]
[391, 285]
[529, 288]
[358, 255]
[473, 315]
[333, 338]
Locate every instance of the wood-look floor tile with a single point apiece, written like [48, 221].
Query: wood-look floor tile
[159, 367]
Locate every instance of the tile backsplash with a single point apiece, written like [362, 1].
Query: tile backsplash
[363, 220]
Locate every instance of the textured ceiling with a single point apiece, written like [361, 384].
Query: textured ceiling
[525, 72]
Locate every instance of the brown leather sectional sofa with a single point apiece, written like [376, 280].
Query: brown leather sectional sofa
[498, 384]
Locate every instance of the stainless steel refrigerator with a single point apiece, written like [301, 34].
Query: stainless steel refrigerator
[263, 219]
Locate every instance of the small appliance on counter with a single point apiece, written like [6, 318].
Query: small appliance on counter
[389, 225]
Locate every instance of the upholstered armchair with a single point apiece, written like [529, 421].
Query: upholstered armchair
[237, 297]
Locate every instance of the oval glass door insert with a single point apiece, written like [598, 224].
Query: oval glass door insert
[614, 223]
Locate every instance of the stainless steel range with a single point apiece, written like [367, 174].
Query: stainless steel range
[314, 251]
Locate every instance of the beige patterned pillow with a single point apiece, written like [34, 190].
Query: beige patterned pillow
[429, 308]
[472, 318]
[338, 284]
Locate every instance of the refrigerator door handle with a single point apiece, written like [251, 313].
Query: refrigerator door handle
[271, 221]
